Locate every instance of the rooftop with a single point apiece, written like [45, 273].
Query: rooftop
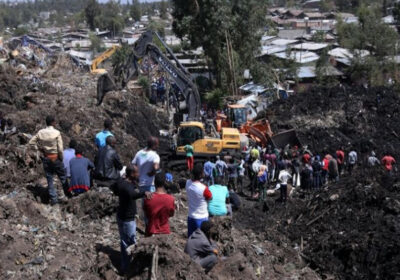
[283, 42]
[310, 46]
[298, 56]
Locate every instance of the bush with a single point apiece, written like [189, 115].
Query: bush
[214, 98]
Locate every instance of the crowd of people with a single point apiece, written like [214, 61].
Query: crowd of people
[273, 169]
[212, 190]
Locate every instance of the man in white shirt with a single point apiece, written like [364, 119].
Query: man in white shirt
[197, 195]
[352, 160]
[284, 177]
[148, 162]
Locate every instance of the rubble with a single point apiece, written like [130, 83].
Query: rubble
[309, 238]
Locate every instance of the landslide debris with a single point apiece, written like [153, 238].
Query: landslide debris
[349, 230]
[326, 118]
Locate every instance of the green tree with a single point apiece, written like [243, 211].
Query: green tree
[222, 27]
[95, 43]
[111, 18]
[92, 10]
[324, 69]
[374, 36]
[135, 10]
[215, 98]
[158, 27]
[164, 9]
[396, 12]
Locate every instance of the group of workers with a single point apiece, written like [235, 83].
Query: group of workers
[140, 179]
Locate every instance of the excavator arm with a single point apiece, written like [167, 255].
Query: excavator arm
[129, 69]
[103, 56]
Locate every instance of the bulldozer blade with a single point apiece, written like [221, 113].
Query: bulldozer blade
[280, 140]
[104, 84]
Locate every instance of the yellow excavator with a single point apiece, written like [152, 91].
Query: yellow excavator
[103, 56]
[191, 131]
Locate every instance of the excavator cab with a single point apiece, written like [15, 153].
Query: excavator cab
[189, 134]
[237, 115]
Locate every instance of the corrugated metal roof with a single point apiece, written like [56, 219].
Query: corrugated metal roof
[298, 56]
[283, 42]
[291, 33]
[270, 49]
[309, 72]
[310, 46]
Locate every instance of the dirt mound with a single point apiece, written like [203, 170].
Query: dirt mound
[351, 230]
[93, 205]
[326, 118]
[163, 256]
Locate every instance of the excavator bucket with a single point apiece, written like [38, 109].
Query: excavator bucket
[104, 84]
[280, 140]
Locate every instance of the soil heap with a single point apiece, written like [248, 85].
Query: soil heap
[350, 230]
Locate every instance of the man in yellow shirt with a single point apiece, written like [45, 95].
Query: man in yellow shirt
[49, 142]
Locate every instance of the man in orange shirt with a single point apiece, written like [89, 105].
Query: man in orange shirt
[159, 209]
[388, 162]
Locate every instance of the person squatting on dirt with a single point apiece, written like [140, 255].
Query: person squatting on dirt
[127, 192]
[49, 142]
[79, 170]
[217, 205]
[108, 163]
[189, 157]
[201, 248]
[101, 137]
[159, 208]
[197, 196]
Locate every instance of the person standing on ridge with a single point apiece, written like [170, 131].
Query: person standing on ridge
[50, 143]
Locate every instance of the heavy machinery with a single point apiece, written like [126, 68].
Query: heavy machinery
[189, 132]
[259, 131]
[193, 133]
[103, 56]
[129, 69]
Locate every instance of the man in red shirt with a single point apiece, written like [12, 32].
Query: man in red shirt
[388, 162]
[340, 159]
[159, 208]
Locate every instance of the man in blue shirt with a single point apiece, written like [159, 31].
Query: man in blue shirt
[102, 135]
[208, 173]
